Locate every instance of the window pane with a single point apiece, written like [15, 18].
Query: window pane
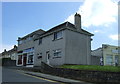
[20, 59]
[30, 59]
[20, 42]
[40, 41]
[58, 35]
[109, 60]
[57, 53]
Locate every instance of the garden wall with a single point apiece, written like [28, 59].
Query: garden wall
[85, 75]
[8, 62]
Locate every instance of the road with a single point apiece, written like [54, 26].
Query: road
[12, 76]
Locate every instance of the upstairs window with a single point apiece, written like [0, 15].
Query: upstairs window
[57, 35]
[25, 40]
[20, 42]
[40, 41]
[114, 51]
[29, 38]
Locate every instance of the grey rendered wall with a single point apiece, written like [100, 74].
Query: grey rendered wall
[25, 45]
[48, 44]
[95, 60]
[78, 48]
[96, 55]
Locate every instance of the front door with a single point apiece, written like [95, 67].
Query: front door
[48, 56]
[24, 59]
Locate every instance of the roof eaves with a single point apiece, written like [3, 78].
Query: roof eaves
[49, 33]
[83, 31]
[58, 27]
[35, 32]
[86, 32]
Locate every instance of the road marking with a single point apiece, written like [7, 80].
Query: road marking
[38, 77]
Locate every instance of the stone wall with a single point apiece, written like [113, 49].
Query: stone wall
[85, 75]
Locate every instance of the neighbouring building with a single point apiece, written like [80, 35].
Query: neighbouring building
[12, 54]
[8, 58]
[66, 43]
[107, 55]
[97, 57]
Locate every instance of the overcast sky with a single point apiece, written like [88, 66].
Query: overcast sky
[99, 17]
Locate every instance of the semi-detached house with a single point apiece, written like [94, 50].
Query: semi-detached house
[66, 43]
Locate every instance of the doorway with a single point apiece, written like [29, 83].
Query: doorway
[48, 57]
[24, 59]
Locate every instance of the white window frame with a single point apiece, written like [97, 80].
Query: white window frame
[58, 53]
[29, 54]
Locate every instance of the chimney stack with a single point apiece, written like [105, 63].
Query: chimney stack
[77, 21]
[15, 47]
[5, 50]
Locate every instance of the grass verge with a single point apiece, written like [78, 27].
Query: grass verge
[93, 67]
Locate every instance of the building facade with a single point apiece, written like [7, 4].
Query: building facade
[26, 49]
[111, 55]
[108, 55]
[66, 43]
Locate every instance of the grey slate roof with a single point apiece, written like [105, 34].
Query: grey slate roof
[38, 32]
[65, 25]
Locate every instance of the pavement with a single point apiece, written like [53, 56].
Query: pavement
[54, 78]
[12, 76]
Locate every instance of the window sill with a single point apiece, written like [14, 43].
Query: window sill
[56, 57]
[57, 39]
[29, 63]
